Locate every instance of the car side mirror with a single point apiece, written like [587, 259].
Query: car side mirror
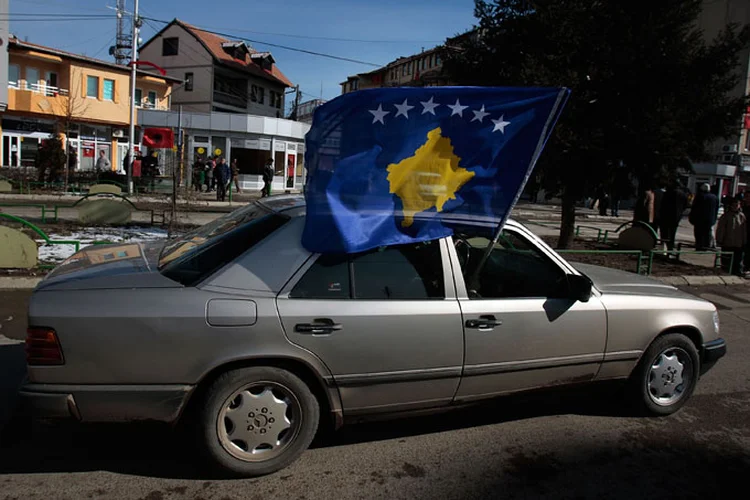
[579, 287]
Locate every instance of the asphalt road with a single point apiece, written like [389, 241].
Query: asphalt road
[572, 444]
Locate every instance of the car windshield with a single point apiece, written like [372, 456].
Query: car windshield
[205, 235]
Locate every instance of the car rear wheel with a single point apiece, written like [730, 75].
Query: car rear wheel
[666, 375]
[257, 420]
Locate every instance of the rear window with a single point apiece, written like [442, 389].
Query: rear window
[195, 256]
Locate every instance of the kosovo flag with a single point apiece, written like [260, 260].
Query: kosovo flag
[400, 165]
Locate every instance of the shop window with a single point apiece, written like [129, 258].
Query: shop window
[170, 46]
[92, 86]
[108, 90]
[188, 82]
[14, 74]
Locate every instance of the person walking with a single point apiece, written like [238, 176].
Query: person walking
[267, 178]
[644, 207]
[221, 180]
[731, 236]
[672, 207]
[198, 174]
[209, 175]
[603, 197]
[102, 163]
[235, 176]
[703, 217]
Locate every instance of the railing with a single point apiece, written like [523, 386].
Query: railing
[38, 88]
[151, 105]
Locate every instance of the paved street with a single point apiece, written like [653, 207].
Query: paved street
[574, 444]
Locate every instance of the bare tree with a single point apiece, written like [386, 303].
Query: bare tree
[70, 108]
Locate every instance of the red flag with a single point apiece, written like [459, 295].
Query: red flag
[747, 119]
[158, 138]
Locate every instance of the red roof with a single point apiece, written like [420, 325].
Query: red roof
[213, 43]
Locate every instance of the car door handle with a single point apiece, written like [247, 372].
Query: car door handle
[487, 322]
[318, 326]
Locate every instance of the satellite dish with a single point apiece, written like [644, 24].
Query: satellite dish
[112, 50]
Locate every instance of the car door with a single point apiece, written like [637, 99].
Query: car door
[385, 322]
[522, 331]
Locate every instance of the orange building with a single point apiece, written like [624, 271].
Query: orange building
[85, 99]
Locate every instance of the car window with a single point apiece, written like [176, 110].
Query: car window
[515, 268]
[401, 272]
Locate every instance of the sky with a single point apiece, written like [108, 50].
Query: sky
[372, 31]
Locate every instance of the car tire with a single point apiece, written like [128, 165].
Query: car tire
[256, 421]
[666, 375]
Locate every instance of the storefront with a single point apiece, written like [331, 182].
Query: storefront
[21, 140]
[722, 178]
[249, 139]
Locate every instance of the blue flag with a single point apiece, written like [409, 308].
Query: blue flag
[400, 165]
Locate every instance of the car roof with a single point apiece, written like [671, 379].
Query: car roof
[293, 205]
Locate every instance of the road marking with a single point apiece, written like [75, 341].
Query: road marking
[724, 301]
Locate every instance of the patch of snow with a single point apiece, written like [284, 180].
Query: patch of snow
[57, 253]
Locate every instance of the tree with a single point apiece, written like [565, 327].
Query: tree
[69, 109]
[50, 159]
[647, 91]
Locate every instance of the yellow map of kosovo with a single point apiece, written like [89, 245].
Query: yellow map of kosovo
[429, 178]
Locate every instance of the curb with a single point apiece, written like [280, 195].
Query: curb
[18, 283]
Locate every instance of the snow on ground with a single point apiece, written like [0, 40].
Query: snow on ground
[58, 253]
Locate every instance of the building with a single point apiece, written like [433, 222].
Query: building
[421, 70]
[4, 35]
[307, 109]
[86, 100]
[220, 75]
[730, 171]
[249, 139]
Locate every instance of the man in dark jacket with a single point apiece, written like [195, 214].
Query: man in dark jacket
[671, 208]
[268, 173]
[703, 216]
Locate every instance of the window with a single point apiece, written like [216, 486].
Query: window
[51, 81]
[198, 254]
[151, 99]
[261, 95]
[188, 82]
[403, 70]
[514, 268]
[32, 78]
[108, 90]
[437, 59]
[170, 46]
[254, 93]
[14, 74]
[138, 97]
[92, 86]
[403, 272]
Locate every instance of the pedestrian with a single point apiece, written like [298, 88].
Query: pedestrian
[703, 217]
[102, 163]
[209, 175]
[731, 236]
[198, 174]
[235, 175]
[658, 196]
[672, 207]
[644, 206]
[267, 178]
[221, 177]
[603, 197]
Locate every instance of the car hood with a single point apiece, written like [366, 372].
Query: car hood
[609, 281]
[124, 265]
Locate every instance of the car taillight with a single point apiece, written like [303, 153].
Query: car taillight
[43, 347]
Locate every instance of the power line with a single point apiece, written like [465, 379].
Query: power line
[58, 19]
[50, 14]
[285, 47]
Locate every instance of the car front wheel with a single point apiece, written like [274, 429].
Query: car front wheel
[666, 375]
[257, 420]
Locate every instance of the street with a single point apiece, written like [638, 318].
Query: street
[570, 444]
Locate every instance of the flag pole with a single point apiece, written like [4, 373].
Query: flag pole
[553, 116]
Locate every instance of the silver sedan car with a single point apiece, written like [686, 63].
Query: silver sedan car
[256, 342]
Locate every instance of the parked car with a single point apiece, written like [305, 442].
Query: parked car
[258, 342]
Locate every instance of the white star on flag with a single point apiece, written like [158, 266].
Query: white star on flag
[429, 106]
[378, 114]
[403, 109]
[500, 124]
[479, 114]
[457, 109]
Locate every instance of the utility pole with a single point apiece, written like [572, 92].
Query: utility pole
[295, 110]
[133, 77]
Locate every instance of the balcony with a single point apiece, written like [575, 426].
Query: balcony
[236, 99]
[150, 105]
[39, 99]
